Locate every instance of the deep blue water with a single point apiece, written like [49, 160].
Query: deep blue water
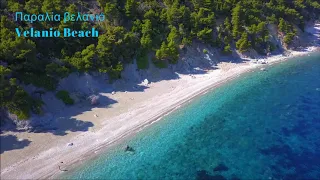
[263, 125]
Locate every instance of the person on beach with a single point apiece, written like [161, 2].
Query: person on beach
[61, 169]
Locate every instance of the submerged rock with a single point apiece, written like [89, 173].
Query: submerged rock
[204, 175]
[221, 167]
[129, 149]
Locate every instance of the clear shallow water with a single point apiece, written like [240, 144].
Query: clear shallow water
[264, 125]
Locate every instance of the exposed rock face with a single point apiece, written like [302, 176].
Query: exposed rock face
[309, 37]
[94, 99]
[251, 53]
[312, 30]
[76, 97]
[275, 38]
[85, 83]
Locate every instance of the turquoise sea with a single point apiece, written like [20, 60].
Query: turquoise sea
[263, 125]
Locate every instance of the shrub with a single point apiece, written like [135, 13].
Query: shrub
[40, 80]
[21, 114]
[142, 61]
[115, 72]
[64, 96]
[243, 44]
[205, 51]
[20, 103]
[288, 38]
[272, 47]
[168, 52]
[159, 63]
[205, 35]
[37, 106]
[227, 50]
[186, 41]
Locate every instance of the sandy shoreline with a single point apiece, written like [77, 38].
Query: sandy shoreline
[133, 112]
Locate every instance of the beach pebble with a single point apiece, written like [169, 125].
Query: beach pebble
[95, 115]
[132, 98]
[70, 144]
[126, 92]
[113, 93]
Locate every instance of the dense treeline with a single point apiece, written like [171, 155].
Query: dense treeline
[133, 29]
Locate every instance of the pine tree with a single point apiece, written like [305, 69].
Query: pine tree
[130, 8]
[243, 43]
[282, 25]
[236, 20]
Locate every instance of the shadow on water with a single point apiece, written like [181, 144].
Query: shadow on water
[10, 142]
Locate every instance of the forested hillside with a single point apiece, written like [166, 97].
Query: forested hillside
[132, 29]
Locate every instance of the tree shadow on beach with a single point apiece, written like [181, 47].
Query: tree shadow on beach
[60, 119]
[61, 122]
[66, 120]
[10, 142]
[58, 123]
[62, 125]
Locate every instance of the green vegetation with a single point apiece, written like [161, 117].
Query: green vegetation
[227, 49]
[205, 51]
[142, 61]
[287, 30]
[14, 98]
[64, 96]
[159, 63]
[133, 29]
